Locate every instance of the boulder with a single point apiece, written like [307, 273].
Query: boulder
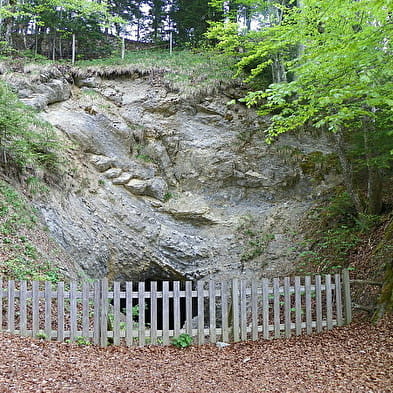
[102, 163]
[136, 186]
[156, 188]
[112, 173]
[123, 179]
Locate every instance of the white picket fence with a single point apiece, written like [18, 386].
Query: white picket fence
[154, 312]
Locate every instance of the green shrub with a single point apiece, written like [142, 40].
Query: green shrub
[80, 340]
[21, 259]
[183, 341]
[25, 140]
[334, 231]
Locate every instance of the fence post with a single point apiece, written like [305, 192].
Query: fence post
[201, 312]
[235, 309]
[11, 306]
[1, 303]
[97, 311]
[104, 313]
[347, 296]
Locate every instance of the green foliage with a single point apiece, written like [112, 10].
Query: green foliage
[21, 259]
[79, 340]
[334, 231]
[41, 336]
[336, 62]
[6, 49]
[183, 341]
[191, 19]
[24, 139]
[168, 196]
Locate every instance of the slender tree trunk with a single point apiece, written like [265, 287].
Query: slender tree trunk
[347, 171]
[54, 48]
[60, 48]
[138, 31]
[374, 177]
[73, 49]
[278, 70]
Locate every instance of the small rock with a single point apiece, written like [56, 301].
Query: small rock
[112, 173]
[124, 178]
[136, 186]
[102, 163]
[156, 188]
[89, 82]
[221, 345]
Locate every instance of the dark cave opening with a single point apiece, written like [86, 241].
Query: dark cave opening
[157, 314]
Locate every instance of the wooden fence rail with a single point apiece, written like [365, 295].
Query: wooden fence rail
[154, 312]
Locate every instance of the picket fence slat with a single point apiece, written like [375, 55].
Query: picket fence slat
[73, 310]
[235, 310]
[176, 308]
[329, 305]
[254, 310]
[104, 313]
[212, 312]
[11, 306]
[201, 312]
[85, 309]
[339, 309]
[265, 307]
[188, 308]
[36, 308]
[243, 310]
[153, 312]
[116, 313]
[298, 307]
[129, 316]
[97, 316]
[287, 307]
[347, 296]
[141, 314]
[276, 306]
[224, 312]
[307, 285]
[165, 312]
[318, 300]
[23, 308]
[60, 311]
[48, 310]
[1, 303]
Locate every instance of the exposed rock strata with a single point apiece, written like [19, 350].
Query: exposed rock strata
[162, 187]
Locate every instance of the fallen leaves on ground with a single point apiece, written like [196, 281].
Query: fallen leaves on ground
[356, 358]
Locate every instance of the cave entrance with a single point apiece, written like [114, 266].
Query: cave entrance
[157, 314]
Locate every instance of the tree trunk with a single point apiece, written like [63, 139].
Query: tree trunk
[347, 172]
[278, 70]
[374, 177]
[374, 191]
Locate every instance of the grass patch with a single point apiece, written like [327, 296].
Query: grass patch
[190, 73]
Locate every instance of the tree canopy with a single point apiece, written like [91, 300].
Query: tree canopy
[336, 69]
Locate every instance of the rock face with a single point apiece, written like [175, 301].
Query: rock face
[161, 187]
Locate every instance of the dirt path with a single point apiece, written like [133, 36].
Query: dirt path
[358, 358]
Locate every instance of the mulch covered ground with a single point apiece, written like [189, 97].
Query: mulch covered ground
[357, 358]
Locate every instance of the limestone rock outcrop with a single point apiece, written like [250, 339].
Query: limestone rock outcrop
[157, 186]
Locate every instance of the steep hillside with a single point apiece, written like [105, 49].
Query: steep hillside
[162, 179]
